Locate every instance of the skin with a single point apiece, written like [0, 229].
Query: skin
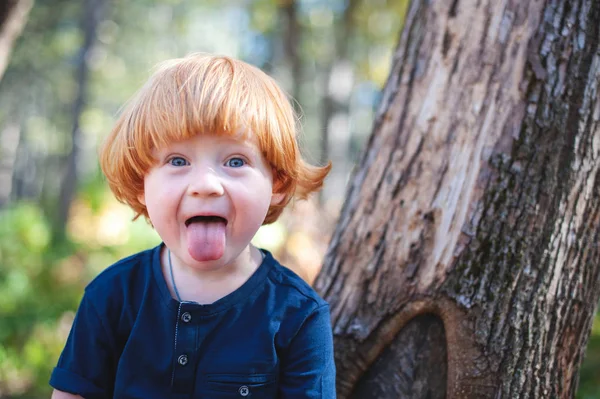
[56, 394]
[208, 174]
[204, 175]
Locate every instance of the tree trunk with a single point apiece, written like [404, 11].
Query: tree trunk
[13, 15]
[10, 137]
[292, 39]
[332, 106]
[92, 14]
[466, 261]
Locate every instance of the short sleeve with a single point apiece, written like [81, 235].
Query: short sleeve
[86, 365]
[308, 367]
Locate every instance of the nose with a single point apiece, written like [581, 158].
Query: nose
[205, 182]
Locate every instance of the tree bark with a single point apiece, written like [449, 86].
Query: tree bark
[13, 16]
[466, 261]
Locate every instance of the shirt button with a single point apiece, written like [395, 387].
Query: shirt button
[183, 359]
[186, 317]
[244, 390]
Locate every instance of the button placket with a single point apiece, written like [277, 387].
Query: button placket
[185, 359]
[186, 317]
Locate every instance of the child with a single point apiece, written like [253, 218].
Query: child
[207, 152]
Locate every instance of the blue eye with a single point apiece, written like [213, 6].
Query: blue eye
[178, 161]
[235, 162]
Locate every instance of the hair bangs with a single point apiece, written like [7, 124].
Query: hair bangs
[184, 99]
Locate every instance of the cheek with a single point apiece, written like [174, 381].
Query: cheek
[156, 197]
[255, 202]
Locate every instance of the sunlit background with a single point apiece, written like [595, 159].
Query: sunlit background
[75, 65]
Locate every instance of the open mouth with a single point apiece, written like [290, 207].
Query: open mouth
[205, 219]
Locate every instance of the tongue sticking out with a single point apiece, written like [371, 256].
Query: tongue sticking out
[206, 238]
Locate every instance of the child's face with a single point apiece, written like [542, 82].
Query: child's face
[207, 196]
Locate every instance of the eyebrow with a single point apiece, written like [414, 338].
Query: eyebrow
[254, 149]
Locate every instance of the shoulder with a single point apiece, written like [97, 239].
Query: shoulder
[114, 297]
[119, 289]
[294, 289]
[301, 314]
[123, 272]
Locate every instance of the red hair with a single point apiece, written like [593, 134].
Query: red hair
[207, 94]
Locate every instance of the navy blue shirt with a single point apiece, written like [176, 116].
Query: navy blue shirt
[270, 338]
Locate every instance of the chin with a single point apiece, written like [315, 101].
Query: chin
[206, 265]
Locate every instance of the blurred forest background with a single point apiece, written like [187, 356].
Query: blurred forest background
[71, 70]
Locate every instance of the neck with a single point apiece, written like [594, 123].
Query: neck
[207, 286]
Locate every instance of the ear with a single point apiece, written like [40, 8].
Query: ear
[142, 199]
[277, 198]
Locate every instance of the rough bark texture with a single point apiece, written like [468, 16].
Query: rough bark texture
[13, 15]
[476, 203]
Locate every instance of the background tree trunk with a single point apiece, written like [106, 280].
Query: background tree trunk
[93, 12]
[292, 39]
[335, 139]
[466, 262]
[13, 15]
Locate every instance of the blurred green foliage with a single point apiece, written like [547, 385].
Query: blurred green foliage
[589, 376]
[40, 287]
